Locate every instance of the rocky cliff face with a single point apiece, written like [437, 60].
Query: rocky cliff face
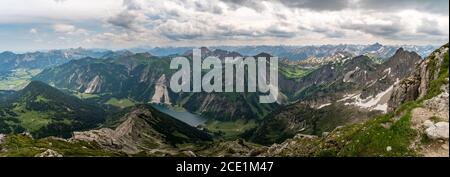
[397, 67]
[161, 91]
[417, 84]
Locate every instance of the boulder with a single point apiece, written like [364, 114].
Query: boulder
[437, 131]
[2, 138]
[389, 148]
[49, 153]
[439, 104]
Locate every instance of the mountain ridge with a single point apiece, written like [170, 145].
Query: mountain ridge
[45, 111]
[144, 128]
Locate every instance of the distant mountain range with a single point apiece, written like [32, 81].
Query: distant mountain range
[297, 53]
[46, 59]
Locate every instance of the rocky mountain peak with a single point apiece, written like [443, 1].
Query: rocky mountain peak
[220, 51]
[402, 62]
[402, 52]
[205, 49]
[38, 87]
[145, 55]
[7, 53]
[374, 47]
[205, 52]
[263, 54]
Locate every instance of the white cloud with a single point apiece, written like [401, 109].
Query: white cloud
[33, 31]
[128, 23]
[188, 22]
[69, 29]
[49, 11]
[63, 28]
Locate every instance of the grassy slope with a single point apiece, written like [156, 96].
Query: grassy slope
[293, 71]
[24, 146]
[229, 130]
[120, 103]
[44, 111]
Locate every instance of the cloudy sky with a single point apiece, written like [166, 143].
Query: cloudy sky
[46, 24]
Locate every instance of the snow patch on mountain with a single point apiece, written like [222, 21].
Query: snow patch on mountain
[324, 105]
[377, 102]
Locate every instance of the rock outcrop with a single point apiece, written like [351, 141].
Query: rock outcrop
[236, 148]
[2, 137]
[439, 103]
[129, 136]
[437, 131]
[429, 88]
[94, 86]
[49, 153]
[299, 146]
[161, 91]
[143, 129]
[396, 68]
[416, 85]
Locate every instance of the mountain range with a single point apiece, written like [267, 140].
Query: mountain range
[46, 59]
[297, 53]
[338, 101]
